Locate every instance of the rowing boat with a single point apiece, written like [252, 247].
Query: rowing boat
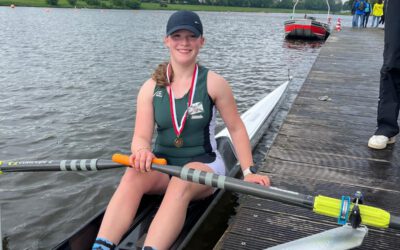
[307, 27]
[256, 119]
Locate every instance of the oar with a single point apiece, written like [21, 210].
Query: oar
[64, 165]
[320, 204]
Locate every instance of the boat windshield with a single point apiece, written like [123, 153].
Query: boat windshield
[305, 16]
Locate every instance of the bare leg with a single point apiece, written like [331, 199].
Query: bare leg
[171, 215]
[124, 204]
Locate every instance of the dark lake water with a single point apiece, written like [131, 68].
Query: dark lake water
[68, 85]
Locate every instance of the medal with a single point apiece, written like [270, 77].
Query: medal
[178, 128]
[178, 142]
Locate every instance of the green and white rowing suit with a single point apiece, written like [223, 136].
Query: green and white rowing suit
[199, 144]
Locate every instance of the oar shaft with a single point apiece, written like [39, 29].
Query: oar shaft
[394, 222]
[64, 165]
[228, 183]
[236, 185]
[58, 165]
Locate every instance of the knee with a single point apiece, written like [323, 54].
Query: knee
[131, 181]
[179, 190]
[130, 177]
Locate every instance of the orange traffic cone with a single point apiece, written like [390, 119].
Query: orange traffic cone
[338, 25]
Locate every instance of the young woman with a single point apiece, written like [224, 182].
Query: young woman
[181, 98]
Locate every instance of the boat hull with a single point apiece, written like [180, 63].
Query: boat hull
[306, 29]
[256, 120]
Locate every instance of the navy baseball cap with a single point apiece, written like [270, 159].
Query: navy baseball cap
[185, 20]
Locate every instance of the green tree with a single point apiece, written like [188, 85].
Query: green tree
[348, 5]
[93, 2]
[285, 4]
[133, 4]
[118, 2]
[52, 2]
[72, 2]
[315, 5]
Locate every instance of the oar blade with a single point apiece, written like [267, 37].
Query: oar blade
[340, 238]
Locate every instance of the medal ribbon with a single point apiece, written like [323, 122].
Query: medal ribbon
[178, 128]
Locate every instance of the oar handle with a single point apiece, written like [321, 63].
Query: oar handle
[124, 160]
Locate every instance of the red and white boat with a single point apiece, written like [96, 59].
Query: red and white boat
[307, 27]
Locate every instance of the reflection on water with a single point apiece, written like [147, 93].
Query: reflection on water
[303, 45]
[69, 81]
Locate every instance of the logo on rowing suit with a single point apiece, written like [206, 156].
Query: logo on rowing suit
[195, 110]
[158, 94]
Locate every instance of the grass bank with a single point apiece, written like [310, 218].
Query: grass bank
[150, 6]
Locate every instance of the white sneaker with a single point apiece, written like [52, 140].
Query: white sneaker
[380, 141]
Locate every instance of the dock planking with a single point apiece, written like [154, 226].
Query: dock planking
[322, 149]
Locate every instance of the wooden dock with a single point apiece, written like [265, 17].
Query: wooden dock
[322, 149]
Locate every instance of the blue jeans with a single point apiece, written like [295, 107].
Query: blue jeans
[359, 20]
[354, 20]
[377, 18]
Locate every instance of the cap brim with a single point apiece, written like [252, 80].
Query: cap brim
[184, 27]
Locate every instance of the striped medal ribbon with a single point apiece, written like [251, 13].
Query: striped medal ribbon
[178, 128]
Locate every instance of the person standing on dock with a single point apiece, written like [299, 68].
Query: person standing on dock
[359, 20]
[389, 89]
[181, 98]
[353, 13]
[367, 12]
[377, 13]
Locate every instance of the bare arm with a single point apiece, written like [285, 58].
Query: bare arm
[222, 95]
[144, 127]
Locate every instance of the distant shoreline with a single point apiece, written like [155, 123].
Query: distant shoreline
[155, 6]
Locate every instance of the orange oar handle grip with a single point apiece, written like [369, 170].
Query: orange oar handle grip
[124, 160]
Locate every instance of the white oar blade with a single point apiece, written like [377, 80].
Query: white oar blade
[340, 238]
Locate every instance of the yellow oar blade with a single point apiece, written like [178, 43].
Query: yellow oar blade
[371, 216]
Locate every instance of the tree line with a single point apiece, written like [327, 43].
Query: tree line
[335, 5]
[130, 4]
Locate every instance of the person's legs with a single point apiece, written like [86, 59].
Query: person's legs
[171, 215]
[389, 102]
[359, 20]
[366, 20]
[362, 18]
[363, 21]
[123, 205]
[354, 20]
[378, 21]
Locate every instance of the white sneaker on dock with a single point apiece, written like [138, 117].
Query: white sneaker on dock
[380, 141]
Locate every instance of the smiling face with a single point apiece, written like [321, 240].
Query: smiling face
[184, 46]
